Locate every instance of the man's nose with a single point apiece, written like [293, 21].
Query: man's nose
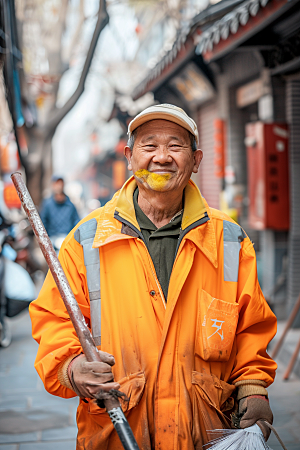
[162, 155]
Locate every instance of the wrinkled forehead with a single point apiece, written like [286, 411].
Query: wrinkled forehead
[161, 127]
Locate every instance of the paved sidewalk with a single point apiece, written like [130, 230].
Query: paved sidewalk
[285, 404]
[288, 347]
[32, 419]
[285, 395]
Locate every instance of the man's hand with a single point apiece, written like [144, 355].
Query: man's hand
[256, 408]
[90, 378]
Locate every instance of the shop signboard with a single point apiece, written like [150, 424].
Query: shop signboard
[193, 85]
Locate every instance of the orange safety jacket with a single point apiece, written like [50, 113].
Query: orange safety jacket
[177, 360]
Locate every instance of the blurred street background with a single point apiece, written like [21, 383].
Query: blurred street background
[73, 73]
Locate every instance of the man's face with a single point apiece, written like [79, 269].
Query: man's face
[57, 187]
[162, 158]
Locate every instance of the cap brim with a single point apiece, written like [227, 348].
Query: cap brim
[138, 121]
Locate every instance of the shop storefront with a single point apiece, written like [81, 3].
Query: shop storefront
[241, 83]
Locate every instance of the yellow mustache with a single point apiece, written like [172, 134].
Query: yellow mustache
[154, 180]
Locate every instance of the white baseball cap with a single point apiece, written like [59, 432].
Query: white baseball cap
[167, 112]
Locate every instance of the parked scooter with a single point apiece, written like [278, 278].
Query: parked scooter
[17, 289]
[29, 254]
[5, 333]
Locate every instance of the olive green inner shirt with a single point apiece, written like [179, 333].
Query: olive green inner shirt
[161, 243]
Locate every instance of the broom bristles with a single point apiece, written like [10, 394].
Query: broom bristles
[242, 439]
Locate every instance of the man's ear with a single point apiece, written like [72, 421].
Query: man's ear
[128, 155]
[198, 155]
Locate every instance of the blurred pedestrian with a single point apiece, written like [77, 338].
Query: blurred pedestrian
[58, 213]
[183, 323]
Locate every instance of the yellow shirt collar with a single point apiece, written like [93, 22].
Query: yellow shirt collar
[194, 207]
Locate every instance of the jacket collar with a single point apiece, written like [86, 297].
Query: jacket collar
[120, 210]
[194, 206]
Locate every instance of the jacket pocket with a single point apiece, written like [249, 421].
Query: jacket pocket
[133, 387]
[216, 326]
[211, 398]
[96, 430]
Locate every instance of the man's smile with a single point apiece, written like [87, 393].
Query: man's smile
[161, 171]
[156, 180]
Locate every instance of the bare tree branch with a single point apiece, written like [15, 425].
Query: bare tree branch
[59, 113]
[77, 32]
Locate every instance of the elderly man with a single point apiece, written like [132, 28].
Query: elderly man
[183, 323]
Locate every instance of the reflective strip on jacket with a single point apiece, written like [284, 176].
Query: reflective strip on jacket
[178, 360]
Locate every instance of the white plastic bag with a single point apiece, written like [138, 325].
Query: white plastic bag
[250, 438]
[17, 283]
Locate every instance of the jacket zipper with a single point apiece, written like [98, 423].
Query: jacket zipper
[155, 277]
[126, 222]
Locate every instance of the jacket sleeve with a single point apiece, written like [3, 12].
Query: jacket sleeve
[256, 326]
[51, 325]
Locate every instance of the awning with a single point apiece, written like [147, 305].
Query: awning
[238, 26]
[183, 48]
[227, 33]
[179, 52]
